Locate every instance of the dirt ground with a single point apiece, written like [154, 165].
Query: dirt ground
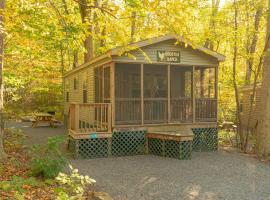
[208, 176]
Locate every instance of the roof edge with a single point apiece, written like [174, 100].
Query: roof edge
[94, 60]
[136, 45]
[158, 39]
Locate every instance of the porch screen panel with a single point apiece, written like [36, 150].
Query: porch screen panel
[127, 94]
[155, 94]
[181, 94]
[107, 85]
[205, 97]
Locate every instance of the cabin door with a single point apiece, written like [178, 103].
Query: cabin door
[181, 94]
[155, 94]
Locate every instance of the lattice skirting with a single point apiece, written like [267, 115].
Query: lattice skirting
[122, 143]
[90, 147]
[128, 143]
[169, 148]
[205, 139]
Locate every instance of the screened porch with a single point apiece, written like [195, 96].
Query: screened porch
[143, 94]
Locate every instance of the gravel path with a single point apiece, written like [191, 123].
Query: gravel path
[39, 134]
[208, 176]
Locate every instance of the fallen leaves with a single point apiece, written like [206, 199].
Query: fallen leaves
[16, 167]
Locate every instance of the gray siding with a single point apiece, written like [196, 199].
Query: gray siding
[189, 56]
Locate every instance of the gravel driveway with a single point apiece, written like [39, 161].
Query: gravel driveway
[208, 176]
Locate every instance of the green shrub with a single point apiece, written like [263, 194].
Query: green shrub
[17, 183]
[47, 160]
[73, 185]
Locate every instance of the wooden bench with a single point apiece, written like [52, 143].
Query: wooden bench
[177, 144]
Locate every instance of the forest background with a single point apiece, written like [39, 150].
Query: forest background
[45, 38]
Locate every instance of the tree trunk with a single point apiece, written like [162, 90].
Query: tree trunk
[104, 28]
[2, 7]
[263, 133]
[133, 25]
[209, 41]
[103, 35]
[250, 63]
[88, 42]
[235, 54]
[75, 59]
[252, 48]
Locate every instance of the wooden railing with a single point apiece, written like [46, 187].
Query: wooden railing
[206, 110]
[181, 110]
[128, 111]
[155, 110]
[90, 117]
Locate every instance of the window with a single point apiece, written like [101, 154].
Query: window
[252, 99]
[67, 96]
[241, 102]
[85, 91]
[67, 90]
[75, 84]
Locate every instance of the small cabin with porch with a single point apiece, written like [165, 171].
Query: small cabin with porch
[250, 113]
[159, 84]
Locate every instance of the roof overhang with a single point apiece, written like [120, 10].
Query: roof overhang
[118, 51]
[137, 45]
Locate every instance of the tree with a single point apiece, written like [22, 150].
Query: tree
[251, 46]
[86, 13]
[263, 133]
[2, 7]
[236, 91]
[212, 26]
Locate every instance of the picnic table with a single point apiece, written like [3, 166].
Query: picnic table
[43, 118]
[228, 126]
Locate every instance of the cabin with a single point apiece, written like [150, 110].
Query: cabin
[164, 84]
[249, 118]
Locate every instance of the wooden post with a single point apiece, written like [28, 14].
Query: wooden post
[142, 94]
[112, 93]
[109, 118]
[216, 91]
[102, 79]
[202, 75]
[77, 117]
[193, 96]
[169, 93]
